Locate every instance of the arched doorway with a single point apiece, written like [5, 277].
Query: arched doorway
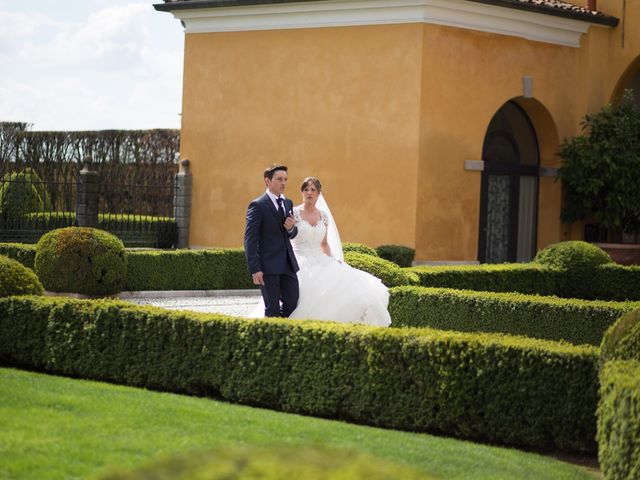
[509, 193]
[629, 80]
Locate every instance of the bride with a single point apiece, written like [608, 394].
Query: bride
[329, 288]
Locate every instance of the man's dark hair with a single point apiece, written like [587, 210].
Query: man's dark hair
[268, 173]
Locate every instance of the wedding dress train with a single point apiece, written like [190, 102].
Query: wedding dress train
[331, 289]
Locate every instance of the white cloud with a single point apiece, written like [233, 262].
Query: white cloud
[117, 67]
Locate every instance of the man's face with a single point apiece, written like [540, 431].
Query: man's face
[277, 184]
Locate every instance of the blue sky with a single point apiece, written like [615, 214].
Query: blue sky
[90, 64]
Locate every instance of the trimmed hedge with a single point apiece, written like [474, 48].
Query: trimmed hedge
[214, 269]
[16, 279]
[398, 254]
[390, 273]
[81, 260]
[622, 339]
[515, 277]
[358, 248]
[573, 255]
[133, 230]
[22, 252]
[579, 261]
[605, 282]
[280, 462]
[613, 282]
[619, 420]
[495, 388]
[550, 318]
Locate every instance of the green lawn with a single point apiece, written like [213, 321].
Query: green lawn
[58, 428]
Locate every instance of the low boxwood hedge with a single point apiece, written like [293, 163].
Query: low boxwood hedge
[604, 282]
[358, 248]
[551, 318]
[619, 420]
[491, 387]
[212, 269]
[390, 273]
[279, 462]
[622, 340]
[398, 254]
[25, 253]
[612, 282]
[515, 277]
[16, 279]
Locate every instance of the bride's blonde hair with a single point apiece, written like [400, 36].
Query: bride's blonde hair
[311, 181]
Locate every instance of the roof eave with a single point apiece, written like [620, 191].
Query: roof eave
[606, 20]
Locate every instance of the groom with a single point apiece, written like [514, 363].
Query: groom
[267, 247]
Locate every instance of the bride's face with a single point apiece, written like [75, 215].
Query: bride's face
[310, 194]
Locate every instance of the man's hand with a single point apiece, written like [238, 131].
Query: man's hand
[257, 278]
[289, 223]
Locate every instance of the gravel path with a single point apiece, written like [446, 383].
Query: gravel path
[214, 302]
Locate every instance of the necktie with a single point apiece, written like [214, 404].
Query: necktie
[281, 208]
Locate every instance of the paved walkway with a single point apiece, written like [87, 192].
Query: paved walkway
[230, 302]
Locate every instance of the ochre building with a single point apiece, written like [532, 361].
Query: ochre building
[431, 123]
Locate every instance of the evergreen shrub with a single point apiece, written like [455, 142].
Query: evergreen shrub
[528, 278]
[16, 279]
[358, 248]
[390, 273]
[81, 260]
[19, 195]
[279, 462]
[552, 318]
[579, 261]
[490, 387]
[398, 254]
[211, 269]
[619, 420]
[573, 255]
[622, 340]
[611, 281]
[24, 253]
[134, 230]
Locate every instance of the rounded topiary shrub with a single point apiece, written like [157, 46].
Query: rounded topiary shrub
[81, 260]
[398, 254]
[359, 248]
[578, 263]
[390, 273]
[19, 195]
[273, 463]
[573, 255]
[16, 279]
[621, 341]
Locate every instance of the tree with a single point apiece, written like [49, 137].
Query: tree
[601, 168]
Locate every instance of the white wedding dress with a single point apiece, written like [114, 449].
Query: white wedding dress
[330, 289]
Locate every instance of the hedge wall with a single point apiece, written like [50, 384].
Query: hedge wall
[214, 269]
[605, 282]
[494, 388]
[23, 252]
[619, 420]
[551, 318]
[515, 277]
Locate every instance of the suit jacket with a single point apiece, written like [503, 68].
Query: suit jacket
[266, 242]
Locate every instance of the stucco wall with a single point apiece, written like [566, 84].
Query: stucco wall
[337, 103]
[385, 116]
[467, 77]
